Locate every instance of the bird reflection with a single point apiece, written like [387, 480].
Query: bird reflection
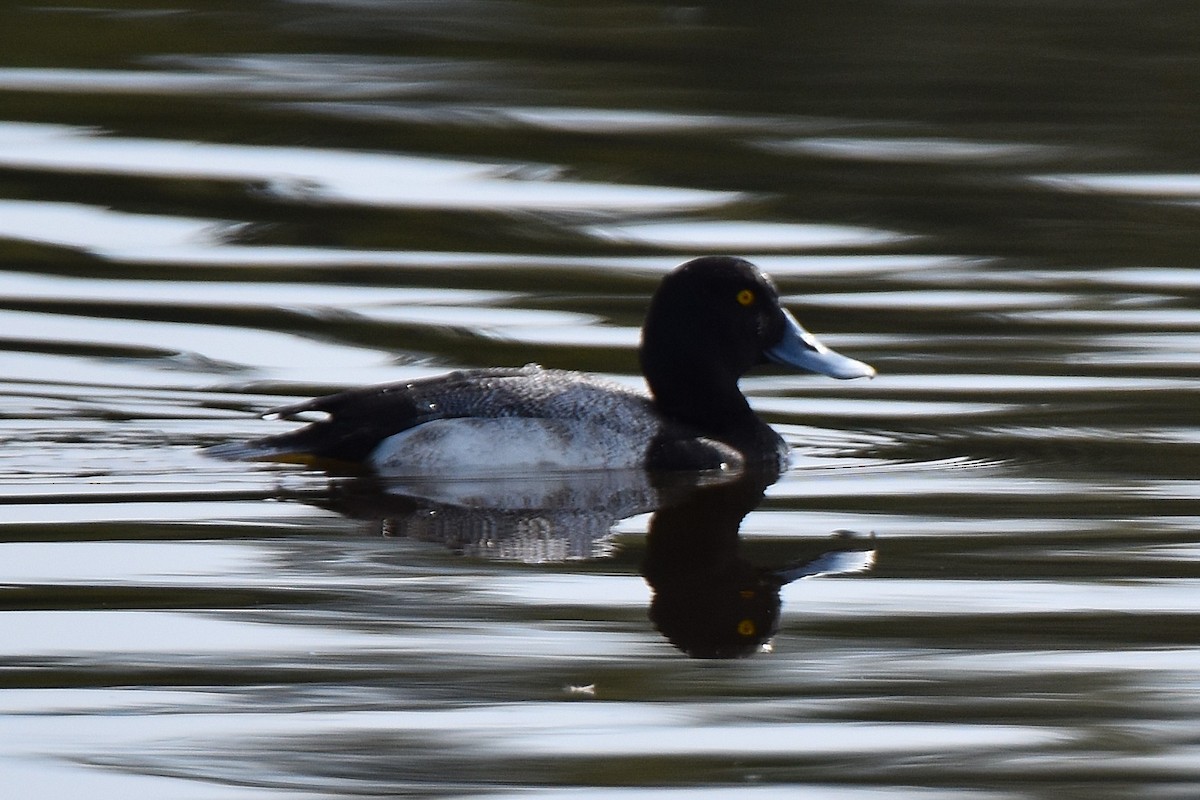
[709, 601]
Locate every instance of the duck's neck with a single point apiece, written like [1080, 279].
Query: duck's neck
[711, 403]
[725, 415]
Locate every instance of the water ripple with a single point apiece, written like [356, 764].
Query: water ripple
[337, 177]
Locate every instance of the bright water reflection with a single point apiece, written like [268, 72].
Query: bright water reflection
[206, 212]
[313, 175]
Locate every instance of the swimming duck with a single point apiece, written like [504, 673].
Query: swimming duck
[710, 321]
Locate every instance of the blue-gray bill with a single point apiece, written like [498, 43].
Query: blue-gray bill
[799, 348]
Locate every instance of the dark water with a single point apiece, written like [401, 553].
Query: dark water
[207, 211]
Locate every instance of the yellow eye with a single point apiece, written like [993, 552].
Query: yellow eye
[746, 628]
[745, 297]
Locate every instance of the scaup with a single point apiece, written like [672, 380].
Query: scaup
[711, 319]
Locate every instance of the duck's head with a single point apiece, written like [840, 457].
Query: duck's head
[712, 319]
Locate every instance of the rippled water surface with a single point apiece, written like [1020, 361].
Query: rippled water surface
[983, 565]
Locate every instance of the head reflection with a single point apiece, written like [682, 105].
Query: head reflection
[708, 600]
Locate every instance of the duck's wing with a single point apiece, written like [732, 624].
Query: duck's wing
[348, 425]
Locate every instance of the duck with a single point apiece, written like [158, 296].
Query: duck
[710, 321]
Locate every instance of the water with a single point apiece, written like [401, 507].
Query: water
[208, 210]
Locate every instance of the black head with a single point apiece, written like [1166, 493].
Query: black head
[713, 316]
[711, 320]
